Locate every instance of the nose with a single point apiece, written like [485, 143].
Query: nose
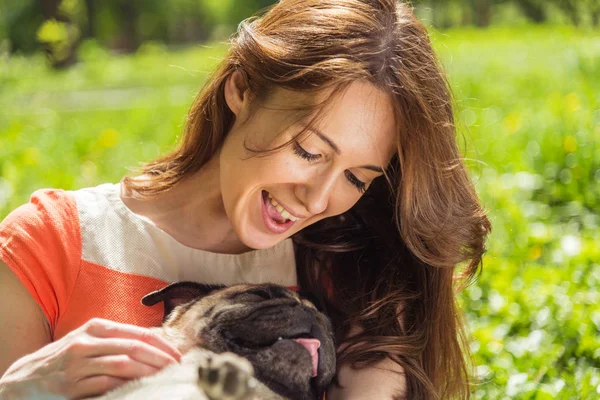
[316, 193]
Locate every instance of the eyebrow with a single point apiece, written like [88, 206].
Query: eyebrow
[337, 149]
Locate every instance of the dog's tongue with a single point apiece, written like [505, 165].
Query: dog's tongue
[312, 345]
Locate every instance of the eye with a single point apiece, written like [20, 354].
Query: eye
[260, 293]
[299, 151]
[360, 185]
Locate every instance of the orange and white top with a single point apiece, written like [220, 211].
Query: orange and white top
[83, 254]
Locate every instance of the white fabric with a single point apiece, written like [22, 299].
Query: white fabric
[114, 237]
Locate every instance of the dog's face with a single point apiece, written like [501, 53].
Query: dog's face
[287, 340]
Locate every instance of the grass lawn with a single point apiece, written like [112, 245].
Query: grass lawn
[529, 108]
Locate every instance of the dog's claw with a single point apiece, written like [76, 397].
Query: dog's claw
[227, 376]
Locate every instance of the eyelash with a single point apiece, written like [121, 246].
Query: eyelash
[305, 154]
[360, 185]
[299, 151]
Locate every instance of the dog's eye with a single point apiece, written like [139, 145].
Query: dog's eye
[261, 293]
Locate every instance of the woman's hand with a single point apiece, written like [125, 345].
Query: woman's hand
[93, 359]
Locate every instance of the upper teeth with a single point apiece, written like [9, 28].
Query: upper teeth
[282, 211]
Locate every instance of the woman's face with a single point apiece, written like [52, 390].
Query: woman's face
[269, 198]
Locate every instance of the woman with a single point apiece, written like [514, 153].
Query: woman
[328, 124]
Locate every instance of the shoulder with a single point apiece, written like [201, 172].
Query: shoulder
[98, 200]
[54, 216]
[58, 207]
[383, 380]
[45, 206]
[40, 243]
[49, 218]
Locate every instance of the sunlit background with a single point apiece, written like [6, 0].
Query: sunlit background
[90, 89]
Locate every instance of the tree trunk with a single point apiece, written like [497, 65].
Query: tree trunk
[595, 15]
[570, 8]
[128, 39]
[533, 10]
[483, 13]
[90, 8]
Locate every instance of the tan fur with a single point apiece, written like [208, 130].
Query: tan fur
[180, 381]
[184, 328]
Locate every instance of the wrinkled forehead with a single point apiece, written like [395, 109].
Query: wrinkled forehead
[275, 291]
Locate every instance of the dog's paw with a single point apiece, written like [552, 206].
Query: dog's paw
[226, 376]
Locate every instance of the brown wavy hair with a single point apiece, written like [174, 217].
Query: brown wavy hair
[393, 257]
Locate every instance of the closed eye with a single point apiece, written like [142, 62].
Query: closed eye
[360, 185]
[262, 293]
[265, 294]
[299, 151]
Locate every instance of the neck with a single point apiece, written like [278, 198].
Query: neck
[192, 212]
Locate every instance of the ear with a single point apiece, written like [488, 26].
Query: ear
[178, 293]
[236, 87]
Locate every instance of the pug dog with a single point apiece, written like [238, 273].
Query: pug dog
[242, 342]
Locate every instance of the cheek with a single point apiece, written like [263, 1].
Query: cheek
[272, 169]
[251, 170]
[286, 168]
[258, 173]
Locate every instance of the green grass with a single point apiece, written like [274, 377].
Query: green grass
[529, 100]
[529, 104]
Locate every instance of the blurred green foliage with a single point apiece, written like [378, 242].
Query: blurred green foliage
[120, 24]
[530, 102]
[123, 25]
[529, 108]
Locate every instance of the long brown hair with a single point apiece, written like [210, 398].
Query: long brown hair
[392, 257]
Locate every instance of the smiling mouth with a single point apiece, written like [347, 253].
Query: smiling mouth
[275, 210]
[273, 219]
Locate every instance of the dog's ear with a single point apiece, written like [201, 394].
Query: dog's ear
[178, 293]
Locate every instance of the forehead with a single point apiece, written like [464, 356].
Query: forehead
[273, 289]
[360, 120]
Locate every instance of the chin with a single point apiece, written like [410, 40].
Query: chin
[260, 240]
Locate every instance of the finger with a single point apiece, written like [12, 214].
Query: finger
[94, 386]
[110, 329]
[135, 349]
[118, 366]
